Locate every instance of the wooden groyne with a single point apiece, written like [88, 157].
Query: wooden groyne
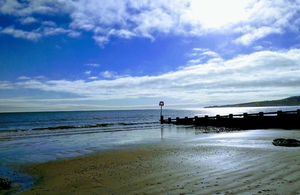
[279, 119]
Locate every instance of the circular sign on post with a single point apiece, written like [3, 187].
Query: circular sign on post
[161, 103]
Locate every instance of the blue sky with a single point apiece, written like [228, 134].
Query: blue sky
[131, 54]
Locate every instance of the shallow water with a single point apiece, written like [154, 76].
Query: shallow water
[40, 137]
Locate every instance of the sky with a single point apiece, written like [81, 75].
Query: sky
[131, 54]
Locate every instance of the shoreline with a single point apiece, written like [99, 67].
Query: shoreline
[224, 163]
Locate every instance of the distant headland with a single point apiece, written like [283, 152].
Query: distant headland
[290, 101]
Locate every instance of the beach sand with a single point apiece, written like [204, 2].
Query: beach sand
[242, 162]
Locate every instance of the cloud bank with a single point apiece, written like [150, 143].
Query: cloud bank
[243, 78]
[206, 78]
[248, 20]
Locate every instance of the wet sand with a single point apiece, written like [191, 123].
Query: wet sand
[244, 162]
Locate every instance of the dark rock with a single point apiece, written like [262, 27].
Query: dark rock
[286, 142]
[5, 184]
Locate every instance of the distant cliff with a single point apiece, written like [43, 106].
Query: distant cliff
[291, 101]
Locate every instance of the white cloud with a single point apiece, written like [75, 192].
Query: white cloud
[26, 8]
[49, 23]
[259, 47]
[101, 40]
[122, 33]
[40, 77]
[93, 64]
[196, 61]
[6, 85]
[28, 20]
[256, 34]
[250, 19]
[268, 17]
[10, 7]
[246, 77]
[74, 34]
[108, 74]
[216, 13]
[54, 31]
[87, 73]
[24, 78]
[201, 54]
[37, 34]
[22, 34]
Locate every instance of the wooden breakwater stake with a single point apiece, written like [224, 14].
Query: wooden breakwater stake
[279, 119]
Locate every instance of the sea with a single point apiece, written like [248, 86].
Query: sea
[33, 137]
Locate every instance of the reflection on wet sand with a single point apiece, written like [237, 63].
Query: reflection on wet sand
[243, 162]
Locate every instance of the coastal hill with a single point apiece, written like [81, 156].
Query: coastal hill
[290, 101]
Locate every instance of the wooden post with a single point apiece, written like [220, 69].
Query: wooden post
[206, 119]
[196, 119]
[279, 113]
[177, 119]
[261, 114]
[218, 119]
[169, 120]
[161, 104]
[231, 116]
[245, 115]
[186, 119]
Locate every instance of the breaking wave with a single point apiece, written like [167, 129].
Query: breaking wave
[91, 126]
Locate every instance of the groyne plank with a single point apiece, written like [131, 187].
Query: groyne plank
[279, 119]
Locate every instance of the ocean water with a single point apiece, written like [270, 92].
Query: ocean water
[44, 136]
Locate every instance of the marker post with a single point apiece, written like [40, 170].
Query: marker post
[161, 104]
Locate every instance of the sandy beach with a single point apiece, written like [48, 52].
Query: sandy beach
[243, 162]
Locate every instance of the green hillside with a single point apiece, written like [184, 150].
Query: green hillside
[290, 101]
